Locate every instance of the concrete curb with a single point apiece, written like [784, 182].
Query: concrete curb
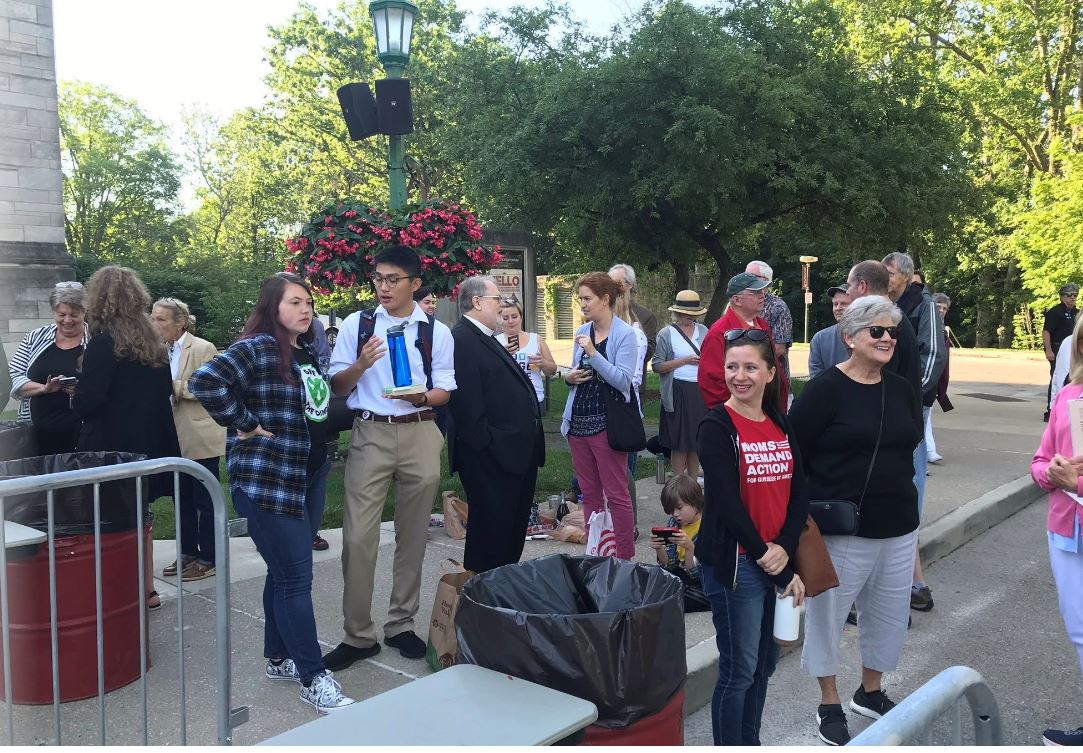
[937, 540]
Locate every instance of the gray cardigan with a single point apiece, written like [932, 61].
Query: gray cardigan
[664, 352]
[616, 368]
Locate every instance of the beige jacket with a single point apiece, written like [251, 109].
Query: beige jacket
[200, 437]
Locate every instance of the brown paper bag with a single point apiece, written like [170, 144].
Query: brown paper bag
[455, 512]
[443, 648]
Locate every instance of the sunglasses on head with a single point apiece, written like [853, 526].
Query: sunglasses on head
[755, 335]
[876, 331]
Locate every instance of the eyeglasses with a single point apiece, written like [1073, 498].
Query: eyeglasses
[754, 335]
[72, 284]
[379, 281]
[497, 297]
[509, 301]
[876, 331]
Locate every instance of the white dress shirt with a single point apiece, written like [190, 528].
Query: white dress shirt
[485, 330]
[175, 354]
[369, 394]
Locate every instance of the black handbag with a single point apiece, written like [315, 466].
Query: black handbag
[841, 517]
[624, 425]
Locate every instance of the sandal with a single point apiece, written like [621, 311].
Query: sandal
[154, 601]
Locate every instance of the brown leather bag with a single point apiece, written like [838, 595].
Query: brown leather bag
[813, 562]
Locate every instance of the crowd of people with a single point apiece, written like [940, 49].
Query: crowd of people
[751, 465]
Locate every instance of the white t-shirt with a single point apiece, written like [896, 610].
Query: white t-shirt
[522, 357]
[369, 394]
[689, 372]
[641, 355]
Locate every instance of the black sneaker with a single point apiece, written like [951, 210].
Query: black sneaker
[873, 705]
[344, 655]
[408, 644]
[1063, 736]
[831, 723]
[921, 599]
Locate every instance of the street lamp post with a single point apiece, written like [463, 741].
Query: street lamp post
[393, 24]
[806, 263]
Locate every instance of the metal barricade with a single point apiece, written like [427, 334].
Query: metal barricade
[226, 718]
[912, 720]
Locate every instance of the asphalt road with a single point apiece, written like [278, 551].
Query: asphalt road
[996, 611]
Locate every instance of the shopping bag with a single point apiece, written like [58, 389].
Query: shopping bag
[443, 647]
[601, 539]
[455, 514]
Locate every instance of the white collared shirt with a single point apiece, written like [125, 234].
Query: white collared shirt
[175, 356]
[484, 330]
[369, 394]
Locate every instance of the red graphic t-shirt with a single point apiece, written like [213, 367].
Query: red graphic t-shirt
[766, 469]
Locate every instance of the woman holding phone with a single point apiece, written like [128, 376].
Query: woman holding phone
[527, 348]
[756, 506]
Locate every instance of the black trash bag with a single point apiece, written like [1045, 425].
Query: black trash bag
[17, 440]
[73, 507]
[602, 629]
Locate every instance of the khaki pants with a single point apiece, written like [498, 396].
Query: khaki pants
[409, 454]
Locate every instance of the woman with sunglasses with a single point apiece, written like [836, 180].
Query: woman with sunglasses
[756, 505]
[857, 425]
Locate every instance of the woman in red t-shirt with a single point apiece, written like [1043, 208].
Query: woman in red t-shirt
[756, 505]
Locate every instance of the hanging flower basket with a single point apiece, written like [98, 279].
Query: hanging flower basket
[337, 245]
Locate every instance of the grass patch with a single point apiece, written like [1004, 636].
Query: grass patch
[553, 478]
[652, 398]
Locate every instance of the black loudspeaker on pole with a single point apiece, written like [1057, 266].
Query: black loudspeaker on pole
[394, 108]
[359, 110]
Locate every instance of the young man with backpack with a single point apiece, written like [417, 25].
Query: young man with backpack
[392, 438]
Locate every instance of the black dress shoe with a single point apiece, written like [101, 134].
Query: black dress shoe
[344, 655]
[408, 644]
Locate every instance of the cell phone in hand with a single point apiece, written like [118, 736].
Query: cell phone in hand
[665, 533]
[513, 343]
[69, 381]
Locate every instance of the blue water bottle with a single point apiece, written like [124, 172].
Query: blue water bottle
[400, 359]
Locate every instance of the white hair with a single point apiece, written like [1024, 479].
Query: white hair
[865, 311]
[903, 263]
[471, 287]
[629, 273]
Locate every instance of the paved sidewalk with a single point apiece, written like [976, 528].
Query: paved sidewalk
[987, 442]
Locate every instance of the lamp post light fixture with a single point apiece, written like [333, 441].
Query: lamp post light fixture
[393, 25]
[806, 263]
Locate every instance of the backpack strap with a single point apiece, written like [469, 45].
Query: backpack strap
[424, 345]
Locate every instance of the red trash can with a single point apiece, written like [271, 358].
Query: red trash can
[665, 727]
[77, 638]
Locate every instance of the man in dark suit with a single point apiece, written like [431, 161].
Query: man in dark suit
[495, 442]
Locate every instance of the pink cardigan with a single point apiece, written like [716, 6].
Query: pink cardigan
[1058, 440]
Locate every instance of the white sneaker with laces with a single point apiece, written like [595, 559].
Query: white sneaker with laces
[287, 670]
[325, 694]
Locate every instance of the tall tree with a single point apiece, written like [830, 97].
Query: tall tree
[120, 178]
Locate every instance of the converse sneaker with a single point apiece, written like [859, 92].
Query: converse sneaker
[873, 705]
[325, 694]
[287, 670]
[1059, 737]
[831, 724]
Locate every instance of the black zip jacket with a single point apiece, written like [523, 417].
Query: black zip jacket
[726, 523]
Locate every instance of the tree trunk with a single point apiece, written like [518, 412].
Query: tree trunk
[680, 276]
[986, 318]
[713, 246]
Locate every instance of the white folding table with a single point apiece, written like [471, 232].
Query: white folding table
[461, 705]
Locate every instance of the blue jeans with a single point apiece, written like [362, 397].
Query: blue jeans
[747, 652]
[285, 543]
[921, 463]
[197, 516]
[316, 497]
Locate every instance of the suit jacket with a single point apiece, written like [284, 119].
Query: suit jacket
[124, 404]
[495, 414]
[199, 436]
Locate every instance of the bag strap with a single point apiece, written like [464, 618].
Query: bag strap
[617, 393]
[876, 449]
[686, 338]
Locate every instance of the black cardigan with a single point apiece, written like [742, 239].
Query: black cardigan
[726, 523]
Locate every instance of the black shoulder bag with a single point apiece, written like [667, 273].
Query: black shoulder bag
[841, 517]
[624, 425]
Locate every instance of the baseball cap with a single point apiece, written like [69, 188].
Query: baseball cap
[745, 281]
[841, 288]
[761, 269]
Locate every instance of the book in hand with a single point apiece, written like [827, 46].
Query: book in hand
[410, 389]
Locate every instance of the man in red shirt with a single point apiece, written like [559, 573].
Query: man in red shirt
[745, 311]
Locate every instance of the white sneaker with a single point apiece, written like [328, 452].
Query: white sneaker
[287, 670]
[325, 694]
[935, 458]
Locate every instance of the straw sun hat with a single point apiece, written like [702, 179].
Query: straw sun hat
[688, 302]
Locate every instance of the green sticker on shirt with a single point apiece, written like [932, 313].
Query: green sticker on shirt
[317, 393]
